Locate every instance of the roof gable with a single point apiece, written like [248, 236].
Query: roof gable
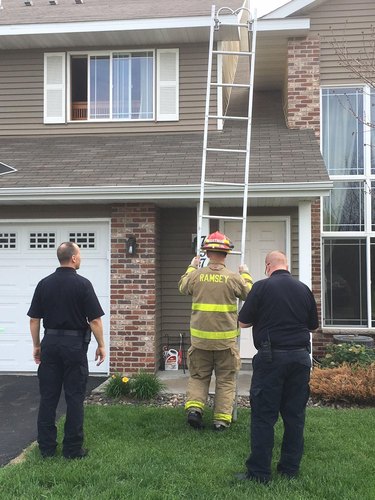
[293, 7]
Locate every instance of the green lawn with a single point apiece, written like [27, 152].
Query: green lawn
[141, 452]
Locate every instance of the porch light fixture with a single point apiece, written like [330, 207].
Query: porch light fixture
[131, 245]
[28, 3]
[53, 2]
[79, 2]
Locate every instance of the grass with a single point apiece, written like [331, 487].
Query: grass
[141, 452]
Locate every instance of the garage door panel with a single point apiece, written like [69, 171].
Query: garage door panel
[33, 257]
[9, 281]
[16, 353]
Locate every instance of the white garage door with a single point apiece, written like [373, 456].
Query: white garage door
[28, 254]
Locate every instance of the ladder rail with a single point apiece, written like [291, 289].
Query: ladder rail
[205, 135]
[248, 137]
[251, 26]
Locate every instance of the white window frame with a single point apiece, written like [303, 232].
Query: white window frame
[109, 53]
[367, 234]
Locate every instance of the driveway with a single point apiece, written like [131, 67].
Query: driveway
[19, 402]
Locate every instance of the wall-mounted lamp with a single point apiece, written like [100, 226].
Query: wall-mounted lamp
[28, 3]
[131, 245]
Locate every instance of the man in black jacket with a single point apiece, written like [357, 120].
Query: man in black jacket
[282, 311]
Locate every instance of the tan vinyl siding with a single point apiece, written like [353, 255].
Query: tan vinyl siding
[21, 98]
[339, 19]
[176, 228]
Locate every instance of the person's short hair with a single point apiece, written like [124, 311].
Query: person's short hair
[66, 251]
[214, 252]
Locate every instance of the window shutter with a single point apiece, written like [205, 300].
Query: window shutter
[54, 87]
[167, 85]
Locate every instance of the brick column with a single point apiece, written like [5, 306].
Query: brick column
[133, 289]
[302, 109]
[303, 85]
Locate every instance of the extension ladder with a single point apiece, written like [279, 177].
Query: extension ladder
[250, 26]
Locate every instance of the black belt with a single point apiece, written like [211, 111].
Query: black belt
[63, 333]
[291, 350]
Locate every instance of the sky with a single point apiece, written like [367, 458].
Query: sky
[264, 6]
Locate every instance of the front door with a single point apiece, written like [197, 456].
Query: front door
[263, 234]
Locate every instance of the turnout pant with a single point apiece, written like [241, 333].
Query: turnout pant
[63, 364]
[201, 364]
[280, 386]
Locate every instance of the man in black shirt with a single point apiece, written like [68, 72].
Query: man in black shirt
[282, 311]
[70, 310]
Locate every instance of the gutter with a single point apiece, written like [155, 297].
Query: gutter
[170, 193]
[143, 25]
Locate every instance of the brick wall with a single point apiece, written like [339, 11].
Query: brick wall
[303, 85]
[134, 298]
[302, 110]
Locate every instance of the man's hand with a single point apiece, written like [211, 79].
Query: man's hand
[99, 355]
[195, 261]
[243, 269]
[36, 355]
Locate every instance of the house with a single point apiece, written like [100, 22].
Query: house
[101, 134]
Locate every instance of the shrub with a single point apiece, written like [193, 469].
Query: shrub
[146, 385]
[348, 383]
[118, 386]
[141, 386]
[350, 353]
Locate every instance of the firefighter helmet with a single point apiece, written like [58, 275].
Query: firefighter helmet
[217, 242]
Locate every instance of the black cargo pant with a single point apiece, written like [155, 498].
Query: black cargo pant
[63, 364]
[280, 386]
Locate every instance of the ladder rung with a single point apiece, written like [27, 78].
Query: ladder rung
[219, 117]
[217, 183]
[227, 150]
[234, 52]
[236, 25]
[229, 217]
[234, 85]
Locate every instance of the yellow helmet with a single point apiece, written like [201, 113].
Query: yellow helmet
[217, 242]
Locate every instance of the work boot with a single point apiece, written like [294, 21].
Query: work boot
[220, 427]
[77, 455]
[195, 419]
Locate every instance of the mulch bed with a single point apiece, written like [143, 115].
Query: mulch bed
[175, 400]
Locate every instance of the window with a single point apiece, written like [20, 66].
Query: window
[112, 85]
[348, 226]
[42, 240]
[345, 282]
[8, 240]
[342, 131]
[117, 86]
[83, 239]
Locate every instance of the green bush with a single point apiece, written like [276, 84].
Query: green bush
[146, 385]
[118, 386]
[141, 386]
[349, 353]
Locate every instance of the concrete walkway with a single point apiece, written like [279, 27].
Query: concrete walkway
[176, 381]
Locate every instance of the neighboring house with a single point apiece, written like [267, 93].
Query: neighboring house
[101, 135]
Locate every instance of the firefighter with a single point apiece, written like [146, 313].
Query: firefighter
[214, 330]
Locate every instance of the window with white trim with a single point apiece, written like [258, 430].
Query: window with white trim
[112, 86]
[8, 241]
[348, 219]
[42, 240]
[83, 239]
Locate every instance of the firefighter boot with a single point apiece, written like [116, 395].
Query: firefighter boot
[195, 419]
